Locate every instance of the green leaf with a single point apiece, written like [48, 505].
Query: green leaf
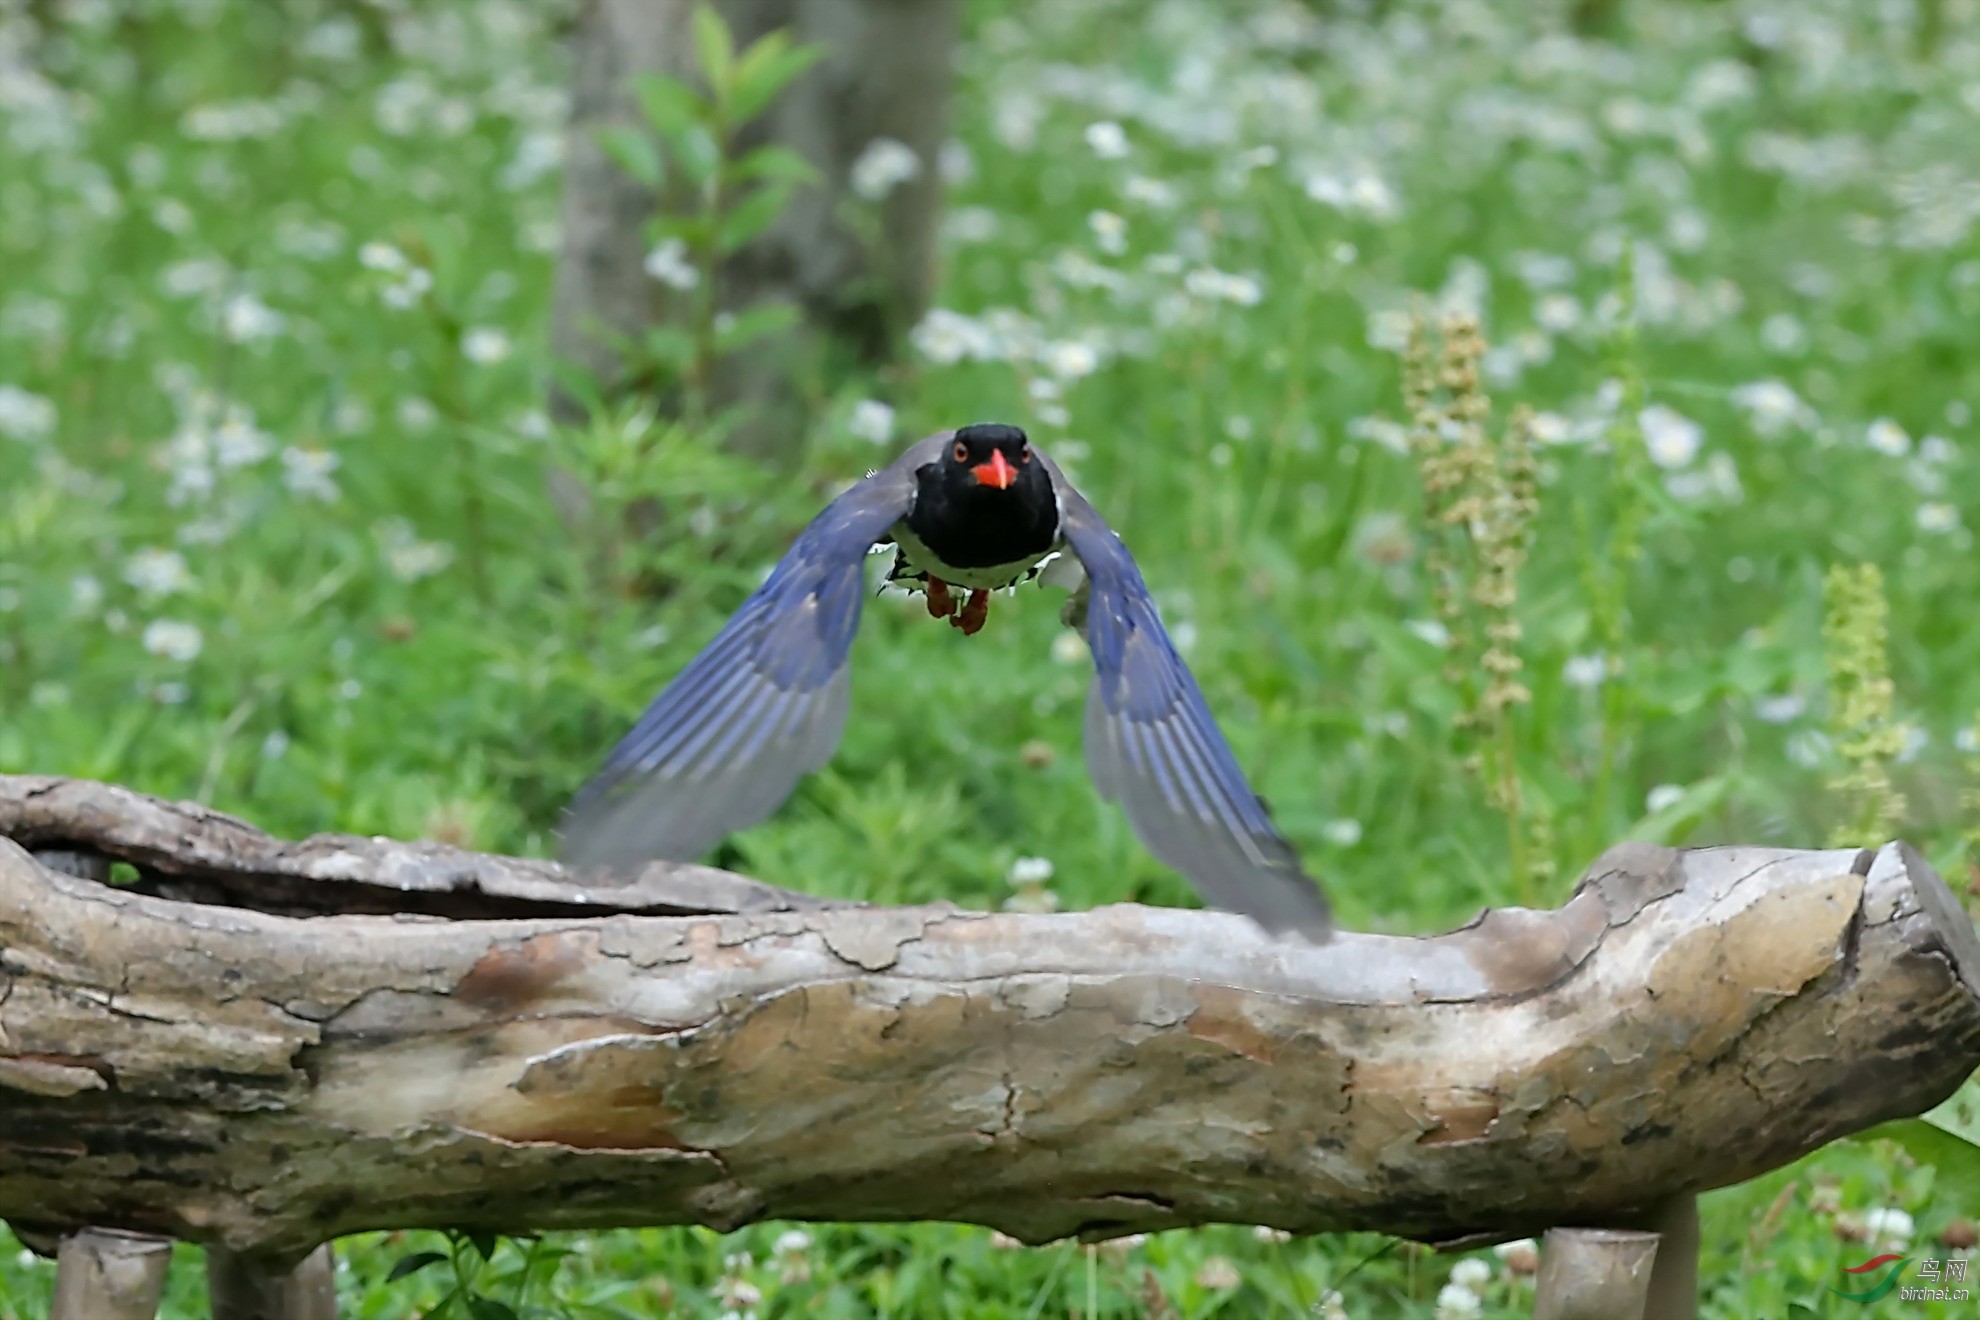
[1956, 1158]
[697, 155]
[1674, 823]
[765, 70]
[484, 1244]
[488, 1308]
[715, 49]
[751, 216]
[774, 164]
[634, 152]
[670, 105]
[754, 323]
[669, 347]
[413, 1264]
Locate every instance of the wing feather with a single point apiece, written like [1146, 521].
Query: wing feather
[1152, 745]
[761, 706]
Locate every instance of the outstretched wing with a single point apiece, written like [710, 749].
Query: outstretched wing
[762, 706]
[1151, 744]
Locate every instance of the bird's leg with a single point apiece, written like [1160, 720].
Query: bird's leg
[941, 604]
[974, 614]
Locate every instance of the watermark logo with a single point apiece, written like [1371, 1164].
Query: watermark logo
[1884, 1286]
[1933, 1275]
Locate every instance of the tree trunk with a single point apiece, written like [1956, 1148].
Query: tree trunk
[264, 1083]
[887, 73]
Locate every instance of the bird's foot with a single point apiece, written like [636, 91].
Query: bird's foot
[941, 605]
[974, 614]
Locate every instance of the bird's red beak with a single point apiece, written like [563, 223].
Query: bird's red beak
[998, 474]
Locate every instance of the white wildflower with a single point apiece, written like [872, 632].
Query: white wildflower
[1266, 1233]
[383, 257]
[1550, 428]
[1558, 313]
[1388, 329]
[1030, 871]
[946, 337]
[1342, 833]
[1672, 438]
[237, 442]
[1109, 231]
[1887, 437]
[1069, 649]
[1209, 283]
[23, 416]
[1455, 1302]
[246, 319]
[1391, 435]
[871, 421]
[1585, 671]
[1663, 797]
[1471, 1273]
[485, 345]
[1938, 518]
[156, 573]
[1888, 1224]
[883, 166]
[407, 292]
[85, 594]
[1432, 631]
[1772, 406]
[171, 639]
[1108, 139]
[1780, 708]
[1069, 359]
[417, 414]
[306, 472]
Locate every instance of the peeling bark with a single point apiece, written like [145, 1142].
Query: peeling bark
[264, 1083]
[187, 851]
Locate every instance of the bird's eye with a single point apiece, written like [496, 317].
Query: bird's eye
[1024, 454]
[961, 452]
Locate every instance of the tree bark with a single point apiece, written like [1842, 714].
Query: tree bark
[1688, 1019]
[887, 73]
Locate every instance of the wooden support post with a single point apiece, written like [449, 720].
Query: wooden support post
[1594, 1274]
[107, 1274]
[1674, 1277]
[251, 1288]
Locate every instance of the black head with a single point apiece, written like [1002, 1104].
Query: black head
[991, 456]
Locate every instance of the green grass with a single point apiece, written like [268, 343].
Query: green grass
[413, 642]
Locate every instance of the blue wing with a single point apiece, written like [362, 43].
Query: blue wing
[759, 708]
[1152, 744]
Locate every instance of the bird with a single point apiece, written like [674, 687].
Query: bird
[973, 510]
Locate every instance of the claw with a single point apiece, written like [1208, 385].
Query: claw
[941, 605]
[974, 614]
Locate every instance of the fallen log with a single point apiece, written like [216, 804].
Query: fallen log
[264, 1083]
